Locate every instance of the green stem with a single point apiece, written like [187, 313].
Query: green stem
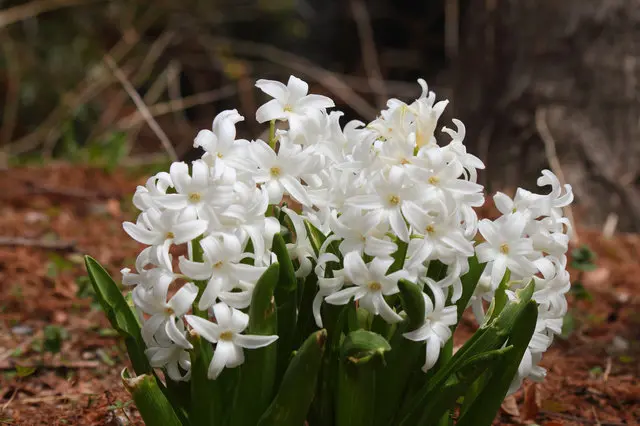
[272, 134]
[198, 256]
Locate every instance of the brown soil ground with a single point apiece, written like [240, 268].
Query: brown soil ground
[68, 211]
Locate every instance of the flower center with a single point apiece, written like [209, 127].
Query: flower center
[394, 200]
[169, 310]
[504, 248]
[374, 286]
[288, 108]
[226, 335]
[194, 197]
[430, 229]
[170, 235]
[217, 265]
[404, 162]
[433, 180]
[219, 155]
[275, 171]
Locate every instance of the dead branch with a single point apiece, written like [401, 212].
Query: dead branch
[328, 79]
[94, 82]
[177, 105]
[142, 107]
[369, 51]
[554, 163]
[35, 8]
[12, 100]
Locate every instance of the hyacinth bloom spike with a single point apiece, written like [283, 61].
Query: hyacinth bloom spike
[367, 229]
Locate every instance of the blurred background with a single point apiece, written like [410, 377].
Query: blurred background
[95, 95]
[539, 83]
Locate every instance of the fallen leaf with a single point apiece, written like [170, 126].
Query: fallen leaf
[510, 406]
[596, 278]
[532, 402]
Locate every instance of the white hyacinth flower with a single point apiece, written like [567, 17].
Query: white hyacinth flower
[226, 334]
[371, 284]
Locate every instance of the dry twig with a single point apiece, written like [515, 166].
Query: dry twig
[330, 80]
[142, 107]
[554, 163]
[35, 8]
[94, 82]
[187, 102]
[12, 100]
[369, 52]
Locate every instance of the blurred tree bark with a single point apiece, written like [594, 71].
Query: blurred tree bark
[565, 72]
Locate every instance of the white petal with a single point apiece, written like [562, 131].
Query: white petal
[250, 341]
[200, 173]
[343, 297]
[150, 327]
[138, 233]
[275, 89]
[175, 334]
[195, 270]
[224, 352]
[433, 352]
[187, 231]
[272, 110]
[398, 225]
[297, 89]
[314, 101]
[211, 293]
[385, 310]
[206, 140]
[355, 269]
[182, 300]
[179, 172]
[239, 321]
[296, 190]
[204, 328]
[223, 314]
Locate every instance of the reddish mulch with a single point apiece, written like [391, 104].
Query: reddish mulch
[593, 374]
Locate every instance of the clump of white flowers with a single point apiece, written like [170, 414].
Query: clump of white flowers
[393, 199]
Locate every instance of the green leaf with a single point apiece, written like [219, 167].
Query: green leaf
[469, 283]
[334, 318]
[444, 399]
[500, 297]
[316, 237]
[206, 399]
[583, 259]
[154, 407]
[398, 257]
[287, 305]
[53, 337]
[355, 396]
[22, 371]
[288, 282]
[403, 359]
[360, 346]
[258, 373]
[306, 323]
[436, 270]
[412, 303]
[119, 314]
[291, 404]
[487, 403]
[492, 335]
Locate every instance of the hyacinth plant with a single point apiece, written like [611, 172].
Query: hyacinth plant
[318, 277]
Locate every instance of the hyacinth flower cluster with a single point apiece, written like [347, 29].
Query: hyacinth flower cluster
[322, 272]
